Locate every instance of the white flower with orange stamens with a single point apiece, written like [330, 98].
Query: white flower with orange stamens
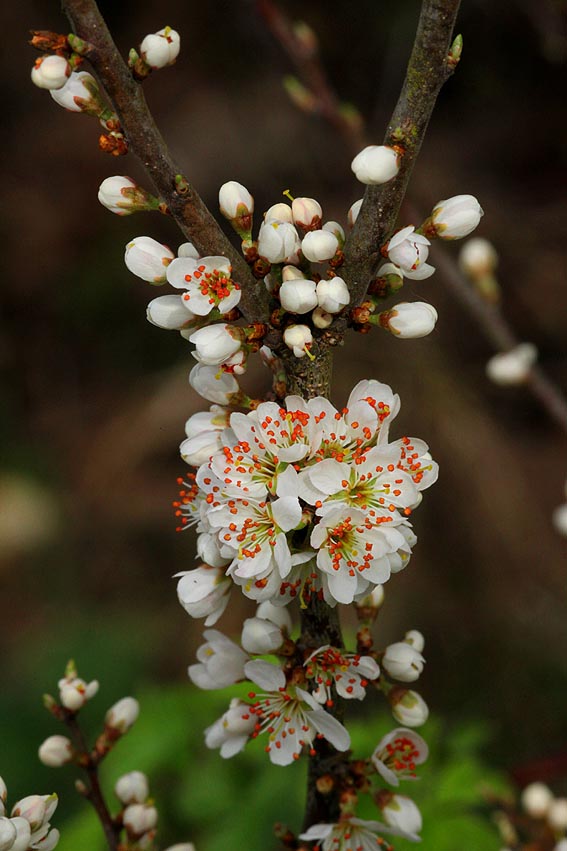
[349, 673]
[220, 662]
[348, 834]
[397, 755]
[409, 250]
[207, 283]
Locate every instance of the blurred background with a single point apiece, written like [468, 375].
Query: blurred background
[94, 399]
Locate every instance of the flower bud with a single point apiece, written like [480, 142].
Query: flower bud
[557, 814]
[536, 799]
[408, 707]
[260, 636]
[276, 614]
[333, 295]
[280, 213]
[237, 205]
[369, 605]
[402, 814]
[512, 368]
[298, 295]
[416, 639]
[298, 338]
[403, 662]
[456, 217]
[478, 258]
[8, 834]
[376, 164]
[307, 213]
[409, 251]
[132, 788]
[139, 819]
[161, 49]
[215, 344]
[79, 94]
[205, 591]
[36, 809]
[321, 319]
[292, 273]
[3, 791]
[319, 245]
[50, 72]
[277, 241]
[74, 692]
[213, 384]
[148, 259]
[337, 230]
[23, 834]
[123, 714]
[56, 751]
[169, 312]
[353, 212]
[409, 320]
[559, 519]
[122, 196]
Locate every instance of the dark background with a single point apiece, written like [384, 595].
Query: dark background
[94, 399]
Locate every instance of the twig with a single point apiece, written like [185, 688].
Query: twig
[144, 139]
[428, 69]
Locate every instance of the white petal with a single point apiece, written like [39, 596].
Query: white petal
[268, 677]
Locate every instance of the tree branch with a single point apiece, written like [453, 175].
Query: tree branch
[427, 70]
[144, 139]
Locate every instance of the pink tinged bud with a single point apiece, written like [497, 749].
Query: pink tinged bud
[512, 368]
[333, 295]
[280, 213]
[337, 230]
[478, 258]
[306, 212]
[456, 217]
[213, 384]
[23, 834]
[408, 707]
[161, 49]
[277, 241]
[376, 164]
[235, 201]
[353, 212]
[215, 344]
[260, 636]
[410, 320]
[298, 295]
[559, 519]
[298, 338]
[169, 312]
[8, 834]
[123, 714]
[77, 93]
[132, 788]
[139, 819]
[56, 751]
[416, 639]
[50, 72]
[319, 245]
[148, 259]
[536, 799]
[403, 662]
[321, 319]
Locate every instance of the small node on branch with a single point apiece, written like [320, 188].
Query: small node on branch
[113, 143]
[299, 95]
[45, 40]
[454, 55]
[80, 46]
[181, 185]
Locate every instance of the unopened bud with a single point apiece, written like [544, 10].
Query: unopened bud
[237, 205]
[148, 259]
[416, 639]
[454, 218]
[298, 295]
[261, 636]
[280, 213]
[23, 834]
[79, 94]
[321, 319]
[56, 751]
[536, 799]
[298, 338]
[215, 344]
[557, 814]
[333, 295]
[353, 212]
[478, 258]
[319, 245]
[307, 213]
[376, 164]
[132, 788]
[122, 196]
[161, 48]
[408, 707]
[337, 230]
[403, 662]
[409, 320]
[512, 368]
[123, 714]
[139, 819]
[50, 72]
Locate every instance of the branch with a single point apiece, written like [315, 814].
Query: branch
[144, 139]
[427, 70]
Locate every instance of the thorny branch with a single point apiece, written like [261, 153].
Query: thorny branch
[144, 139]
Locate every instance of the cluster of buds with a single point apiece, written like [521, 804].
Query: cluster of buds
[28, 827]
[538, 820]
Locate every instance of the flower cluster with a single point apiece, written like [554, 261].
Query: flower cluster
[28, 827]
[302, 498]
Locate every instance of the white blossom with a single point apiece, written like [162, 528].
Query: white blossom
[279, 213]
[513, 367]
[148, 259]
[299, 339]
[161, 48]
[50, 72]
[348, 834]
[410, 320]
[215, 344]
[306, 213]
[403, 662]
[187, 249]
[321, 319]
[231, 732]
[397, 754]
[298, 295]
[74, 692]
[77, 93]
[235, 201]
[123, 714]
[132, 788]
[23, 834]
[56, 751]
[261, 636]
[276, 614]
[350, 673]
[139, 819]
[221, 662]
[204, 592]
[409, 251]
[292, 273]
[456, 217]
[319, 245]
[277, 240]
[336, 229]
[207, 283]
[402, 814]
[204, 435]
[376, 164]
[213, 384]
[416, 639]
[333, 295]
[557, 814]
[169, 312]
[408, 707]
[536, 799]
[8, 834]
